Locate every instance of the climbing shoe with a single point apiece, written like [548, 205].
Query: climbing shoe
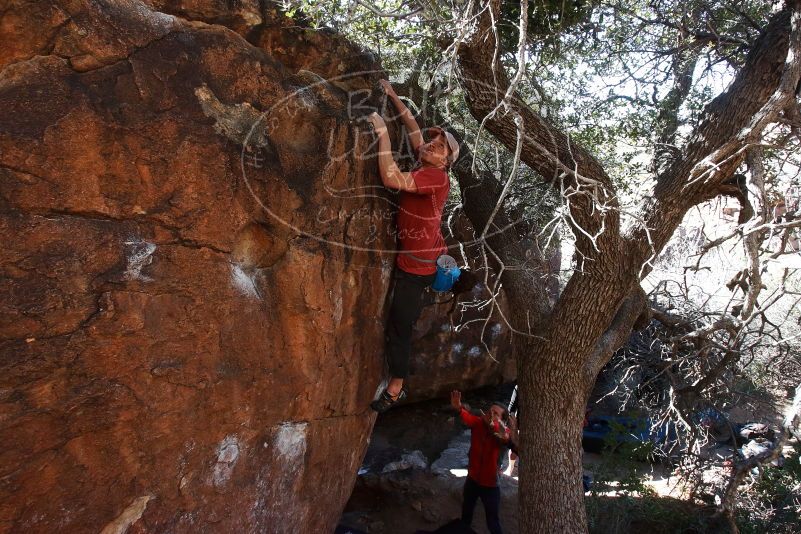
[385, 401]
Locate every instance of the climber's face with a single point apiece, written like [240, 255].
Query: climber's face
[435, 152]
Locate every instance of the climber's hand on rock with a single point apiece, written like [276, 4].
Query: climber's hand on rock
[387, 87]
[456, 399]
[378, 123]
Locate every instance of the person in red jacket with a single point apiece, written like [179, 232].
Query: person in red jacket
[423, 193]
[487, 435]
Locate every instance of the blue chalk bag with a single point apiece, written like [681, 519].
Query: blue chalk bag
[447, 273]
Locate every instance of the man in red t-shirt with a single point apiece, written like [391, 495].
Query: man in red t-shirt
[422, 198]
[487, 435]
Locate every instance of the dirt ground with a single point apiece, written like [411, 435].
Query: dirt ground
[407, 501]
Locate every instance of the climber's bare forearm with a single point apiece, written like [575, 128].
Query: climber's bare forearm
[413, 129]
[391, 175]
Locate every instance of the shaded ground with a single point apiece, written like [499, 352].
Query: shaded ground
[647, 515]
[406, 501]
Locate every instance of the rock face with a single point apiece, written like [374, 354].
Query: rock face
[455, 346]
[196, 266]
[192, 310]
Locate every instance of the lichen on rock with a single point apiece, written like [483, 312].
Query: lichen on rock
[240, 123]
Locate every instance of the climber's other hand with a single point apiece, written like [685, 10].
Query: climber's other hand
[378, 123]
[387, 87]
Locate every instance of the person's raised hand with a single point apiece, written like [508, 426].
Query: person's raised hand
[378, 123]
[387, 87]
[501, 432]
[456, 399]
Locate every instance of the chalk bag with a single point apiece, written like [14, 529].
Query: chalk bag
[447, 273]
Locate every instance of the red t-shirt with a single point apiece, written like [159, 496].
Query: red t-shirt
[419, 220]
[484, 449]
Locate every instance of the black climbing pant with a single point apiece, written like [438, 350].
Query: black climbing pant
[490, 498]
[407, 303]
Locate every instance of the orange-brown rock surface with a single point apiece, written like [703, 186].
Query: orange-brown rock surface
[196, 260]
[189, 341]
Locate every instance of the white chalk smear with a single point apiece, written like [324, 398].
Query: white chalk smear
[227, 456]
[139, 254]
[290, 441]
[243, 282]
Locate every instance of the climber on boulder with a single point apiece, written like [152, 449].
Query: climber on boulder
[423, 192]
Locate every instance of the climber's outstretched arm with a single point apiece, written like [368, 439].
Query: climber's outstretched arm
[391, 175]
[412, 128]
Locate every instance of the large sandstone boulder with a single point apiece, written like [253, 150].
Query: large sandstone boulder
[193, 286]
[192, 318]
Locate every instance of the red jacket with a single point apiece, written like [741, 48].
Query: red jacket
[484, 450]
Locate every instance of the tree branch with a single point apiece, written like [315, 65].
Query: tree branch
[575, 173]
[732, 122]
